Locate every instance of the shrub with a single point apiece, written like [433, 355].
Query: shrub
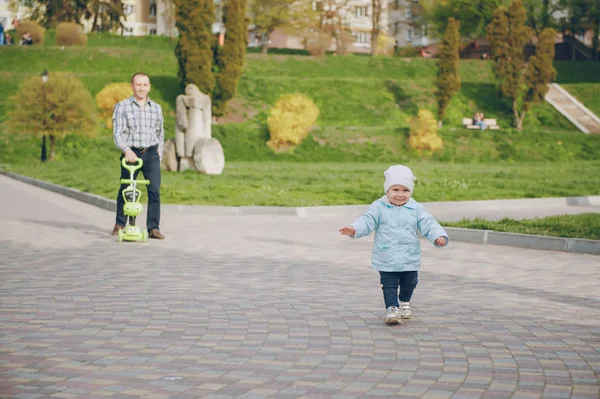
[70, 34]
[424, 133]
[290, 120]
[57, 108]
[385, 45]
[109, 96]
[34, 29]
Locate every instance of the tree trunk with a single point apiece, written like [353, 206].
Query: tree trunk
[440, 123]
[95, 21]
[375, 19]
[545, 14]
[595, 38]
[518, 118]
[52, 143]
[264, 47]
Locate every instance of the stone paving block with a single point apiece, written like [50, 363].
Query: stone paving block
[303, 317]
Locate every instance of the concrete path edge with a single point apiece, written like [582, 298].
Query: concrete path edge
[456, 234]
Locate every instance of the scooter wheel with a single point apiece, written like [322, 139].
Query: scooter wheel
[145, 236]
[120, 238]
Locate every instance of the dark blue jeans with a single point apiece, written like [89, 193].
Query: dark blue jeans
[151, 171]
[391, 281]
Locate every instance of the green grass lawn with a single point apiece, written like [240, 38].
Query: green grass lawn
[365, 108]
[587, 93]
[349, 90]
[586, 225]
[281, 183]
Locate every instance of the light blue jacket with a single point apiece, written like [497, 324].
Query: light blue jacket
[397, 247]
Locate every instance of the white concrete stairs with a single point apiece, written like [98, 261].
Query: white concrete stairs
[572, 109]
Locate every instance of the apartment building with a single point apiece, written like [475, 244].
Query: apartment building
[399, 19]
[406, 25]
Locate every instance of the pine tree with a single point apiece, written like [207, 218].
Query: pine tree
[230, 59]
[194, 51]
[508, 35]
[540, 70]
[448, 77]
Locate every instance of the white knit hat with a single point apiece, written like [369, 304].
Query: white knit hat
[399, 174]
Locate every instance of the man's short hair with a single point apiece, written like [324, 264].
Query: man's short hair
[139, 74]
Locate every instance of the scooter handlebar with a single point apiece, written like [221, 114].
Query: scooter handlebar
[129, 181]
[132, 167]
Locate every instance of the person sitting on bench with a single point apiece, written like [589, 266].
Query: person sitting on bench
[478, 120]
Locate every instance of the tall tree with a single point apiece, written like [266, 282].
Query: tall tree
[50, 13]
[582, 16]
[540, 16]
[194, 50]
[508, 35]
[448, 77]
[540, 70]
[595, 21]
[107, 13]
[473, 15]
[230, 59]
[269, 15]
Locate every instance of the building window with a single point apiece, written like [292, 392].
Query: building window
[128, 9]
[409, 35]
[396, 28]
[361, 37]
[362, 12]
[152, 11]
[409, 14]
[152, 31]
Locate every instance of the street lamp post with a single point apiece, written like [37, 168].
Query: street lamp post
[44, 80]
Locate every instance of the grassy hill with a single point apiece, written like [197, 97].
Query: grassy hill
[350, 91]
[365, 104]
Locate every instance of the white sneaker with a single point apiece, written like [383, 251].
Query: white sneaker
[392, 316]
[405, 312]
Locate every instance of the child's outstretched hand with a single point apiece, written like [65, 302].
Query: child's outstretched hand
[440, 241]
[348, 231]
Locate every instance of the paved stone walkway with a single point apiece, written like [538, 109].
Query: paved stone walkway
[277, 307]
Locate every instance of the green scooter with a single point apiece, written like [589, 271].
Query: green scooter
[132, 207]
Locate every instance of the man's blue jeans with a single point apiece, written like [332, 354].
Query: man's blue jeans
[1, 38]
[151, 171]
[390, 281]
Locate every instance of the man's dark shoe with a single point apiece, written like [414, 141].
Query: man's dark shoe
[155, 233]
[116, 229]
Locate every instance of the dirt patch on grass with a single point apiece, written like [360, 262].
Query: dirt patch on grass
[238, 111]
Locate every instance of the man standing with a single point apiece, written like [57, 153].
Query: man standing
[139, 133]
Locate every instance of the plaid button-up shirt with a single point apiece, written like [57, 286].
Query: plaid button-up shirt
[138, 126]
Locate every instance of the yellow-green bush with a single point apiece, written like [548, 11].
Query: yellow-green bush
[290, 120]
[61, 106]
[70, 34]
[38, 34]
[424, 133]
[109, 96]
[385, 45]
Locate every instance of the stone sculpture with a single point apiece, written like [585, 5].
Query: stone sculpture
[194, 147]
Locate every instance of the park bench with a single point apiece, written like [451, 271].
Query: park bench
[490, 123]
